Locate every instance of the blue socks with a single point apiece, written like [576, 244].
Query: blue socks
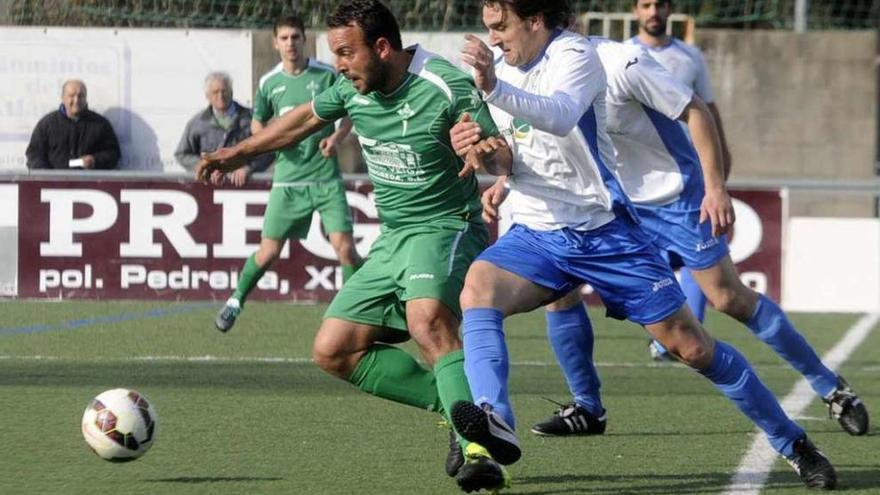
[571, 337]
[735, 378]
[770, 324]
[487, 365]
[696, 300]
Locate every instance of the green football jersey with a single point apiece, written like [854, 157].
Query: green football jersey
[404, 137]
[281, 92]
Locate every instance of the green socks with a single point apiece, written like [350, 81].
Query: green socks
[348, 271]
[392, 373]
[248, 278]
[452, 384]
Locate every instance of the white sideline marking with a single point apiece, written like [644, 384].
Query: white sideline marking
[306, 360]
[754, 469]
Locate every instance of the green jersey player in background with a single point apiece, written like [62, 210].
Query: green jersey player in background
[306, 177]
[403, 103]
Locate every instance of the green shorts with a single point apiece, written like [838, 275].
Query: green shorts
[290, 209]
[428, 260]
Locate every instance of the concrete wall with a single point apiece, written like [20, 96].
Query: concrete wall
[799, 105]
[794, 106]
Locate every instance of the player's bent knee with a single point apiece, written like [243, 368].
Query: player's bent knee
[694, 349]
[436, 335]
[267, 254]
[330, 354]
[479, 287]
[733, 303]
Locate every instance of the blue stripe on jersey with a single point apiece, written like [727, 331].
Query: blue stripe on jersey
[620, 201]
[682, 151]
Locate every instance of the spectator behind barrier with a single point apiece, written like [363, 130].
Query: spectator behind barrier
[73, 136]
[224, 123]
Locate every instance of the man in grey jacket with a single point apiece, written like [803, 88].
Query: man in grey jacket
[224, 123]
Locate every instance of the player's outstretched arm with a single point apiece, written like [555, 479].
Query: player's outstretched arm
[287, 130]
[717, 206]
[328, 144]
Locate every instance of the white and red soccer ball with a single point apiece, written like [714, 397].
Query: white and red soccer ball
[120, 425]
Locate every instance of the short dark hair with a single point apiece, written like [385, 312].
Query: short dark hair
[556, 13]
[662, 2]
[288, 21]
[374, 19]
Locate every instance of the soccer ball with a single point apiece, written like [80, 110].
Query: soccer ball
[120, 425]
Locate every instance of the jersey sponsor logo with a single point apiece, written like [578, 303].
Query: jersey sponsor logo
[422, 276]
[392, 163]
[360, 100]
[279, 89]
[631, 63]
[666, 282]
[405, 113]
[520, 129]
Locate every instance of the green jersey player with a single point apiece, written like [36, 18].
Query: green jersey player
[306, 177]
[403, 103]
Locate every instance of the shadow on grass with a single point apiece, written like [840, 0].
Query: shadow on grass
[214, 479]
[624, 485]
[850, 478]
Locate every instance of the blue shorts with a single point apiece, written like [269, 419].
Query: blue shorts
[681, 238]
[617, 259]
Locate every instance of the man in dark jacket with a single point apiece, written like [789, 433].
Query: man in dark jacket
[73, 136]
[224, 123]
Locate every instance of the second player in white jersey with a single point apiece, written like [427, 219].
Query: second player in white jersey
[684, 61]
[654, 161]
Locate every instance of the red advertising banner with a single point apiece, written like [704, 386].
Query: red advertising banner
[178, 240]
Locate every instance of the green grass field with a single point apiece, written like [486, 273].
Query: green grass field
[248, 413]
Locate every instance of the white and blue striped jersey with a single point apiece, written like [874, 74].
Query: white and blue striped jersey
[655, 161]
[685, 62]
[552, 112]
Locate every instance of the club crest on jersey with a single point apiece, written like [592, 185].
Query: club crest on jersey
[475, 99]
[313, 87]
[405, 113]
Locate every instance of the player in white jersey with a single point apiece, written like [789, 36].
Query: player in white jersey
[572, 225]
[669, 179]
[686, 63]
[723, 286]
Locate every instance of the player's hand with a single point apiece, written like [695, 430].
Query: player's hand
[492, 199]
[223, 160]
[88, 161]
[718, 208]
[328, 147]
[240, 177]
[464, 135]
[476, 54]
[473, 161]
